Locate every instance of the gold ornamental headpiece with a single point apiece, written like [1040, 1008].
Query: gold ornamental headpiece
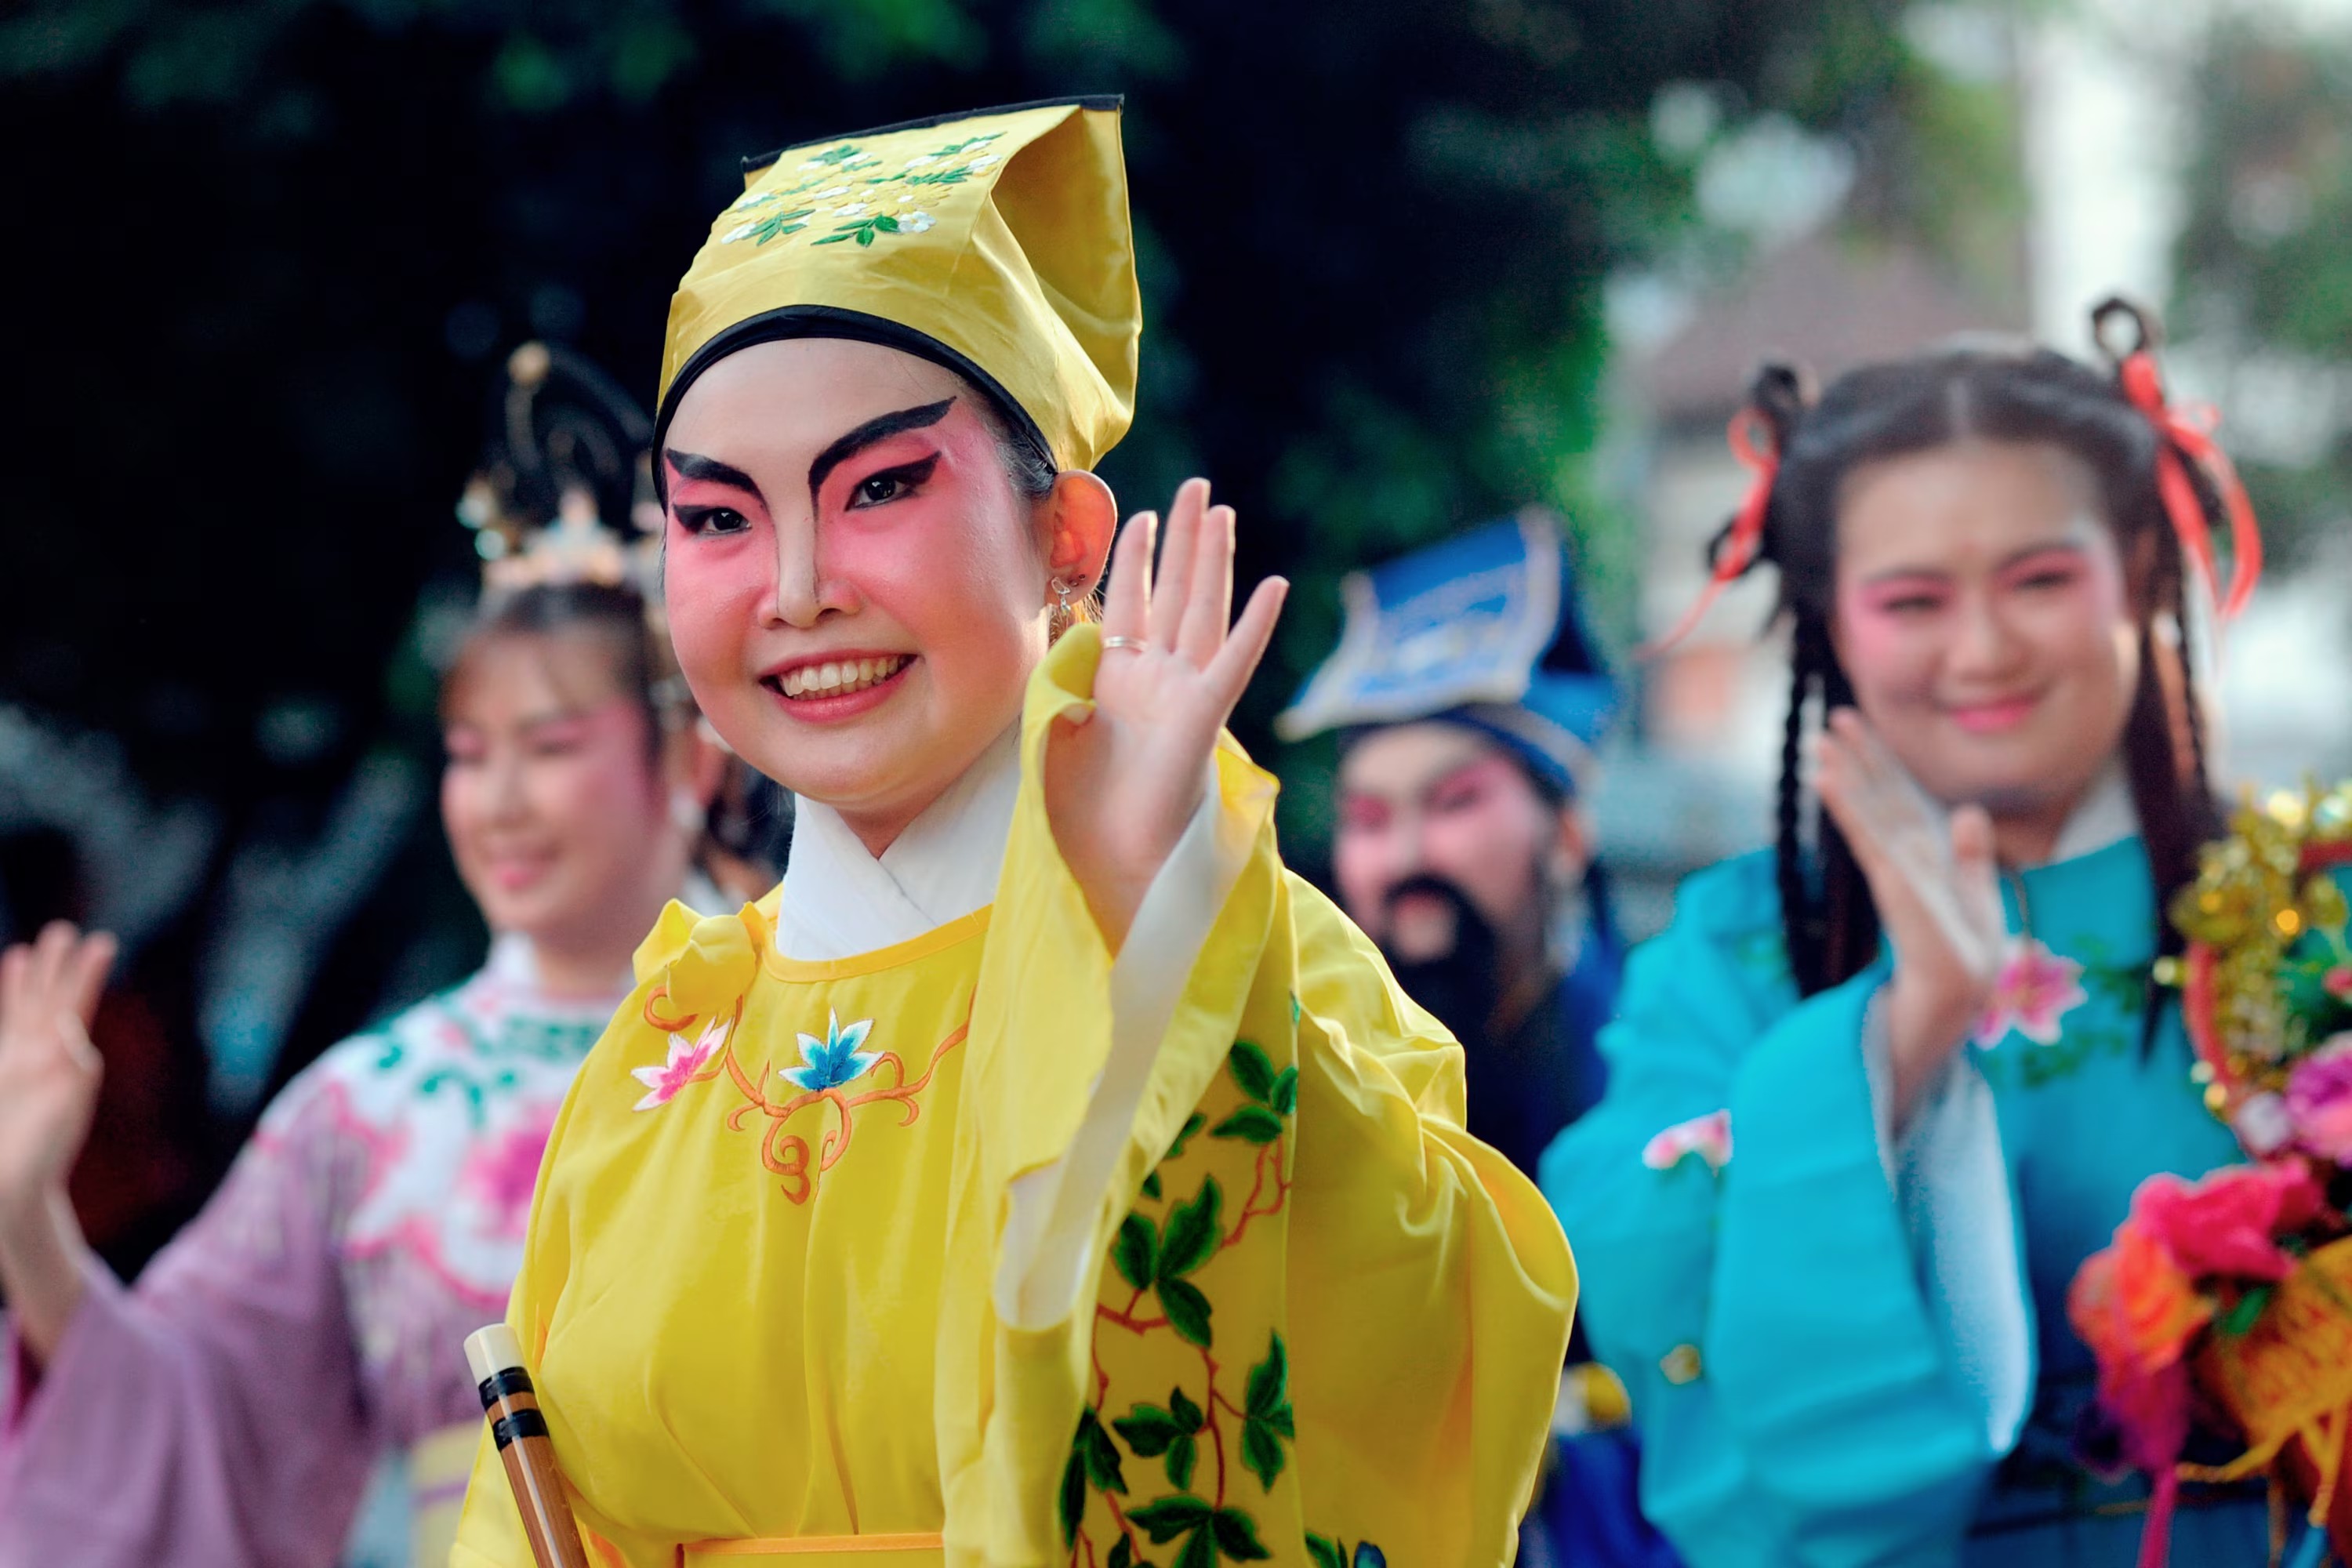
[996, 243]
[564, 492]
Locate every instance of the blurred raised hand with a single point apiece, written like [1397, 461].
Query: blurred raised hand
[49, 1091]
[1121, 784]
[1932, 876]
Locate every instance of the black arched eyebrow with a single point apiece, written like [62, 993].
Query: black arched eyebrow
[690, 466]
[881, 427]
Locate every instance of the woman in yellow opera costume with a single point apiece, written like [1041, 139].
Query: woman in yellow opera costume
[1040, 1173]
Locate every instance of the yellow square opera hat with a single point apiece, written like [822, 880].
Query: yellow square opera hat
[995, 243]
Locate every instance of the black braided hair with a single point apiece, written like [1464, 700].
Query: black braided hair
[1985, 392]
[1807, 942]
[2164, 759]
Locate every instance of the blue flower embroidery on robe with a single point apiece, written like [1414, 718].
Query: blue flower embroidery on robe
[835, 1059]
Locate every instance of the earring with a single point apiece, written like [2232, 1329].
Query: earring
[1063, 614]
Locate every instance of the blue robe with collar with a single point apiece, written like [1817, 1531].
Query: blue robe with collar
[1801, 1395]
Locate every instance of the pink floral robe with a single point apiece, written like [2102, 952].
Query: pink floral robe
[228, 1408]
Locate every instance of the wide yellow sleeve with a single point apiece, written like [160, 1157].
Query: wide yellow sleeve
[1313, 1313]
[1430, 1285]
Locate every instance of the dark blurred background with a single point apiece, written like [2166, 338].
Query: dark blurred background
[1407, 266]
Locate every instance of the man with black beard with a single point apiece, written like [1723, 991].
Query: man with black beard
[1526, 1031]
[1468, 701]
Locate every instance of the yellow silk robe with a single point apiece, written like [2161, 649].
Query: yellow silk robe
[892, 1260]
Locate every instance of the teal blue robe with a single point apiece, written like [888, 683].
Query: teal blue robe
[1805, 1390]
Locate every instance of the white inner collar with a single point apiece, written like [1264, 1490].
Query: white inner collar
[2104, 815]
[513, 964]
[838, 901]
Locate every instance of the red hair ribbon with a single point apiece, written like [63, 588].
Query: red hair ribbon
[1744, 538]
[2188, 433]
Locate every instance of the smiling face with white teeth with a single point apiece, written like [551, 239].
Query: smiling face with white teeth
[856, 590]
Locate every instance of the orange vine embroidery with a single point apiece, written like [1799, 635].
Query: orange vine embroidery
[787, 1154]
[1156, 1258]
[1216, 1433]
[664, 1025]
[1269, 1155]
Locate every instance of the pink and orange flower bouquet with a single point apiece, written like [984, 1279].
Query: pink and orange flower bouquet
[2225, 1304]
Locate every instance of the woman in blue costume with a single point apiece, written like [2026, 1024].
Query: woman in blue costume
[1873, 1096]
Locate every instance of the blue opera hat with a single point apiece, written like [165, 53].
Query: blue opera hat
[1480, 631]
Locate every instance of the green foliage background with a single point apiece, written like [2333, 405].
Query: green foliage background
[272, 251]
[2262, 270]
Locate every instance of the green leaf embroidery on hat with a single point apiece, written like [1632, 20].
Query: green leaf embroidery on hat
[861, 230]
[773, 226]
[966, 145]
[845, 154]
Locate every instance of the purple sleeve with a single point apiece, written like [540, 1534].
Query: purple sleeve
[214, 1414]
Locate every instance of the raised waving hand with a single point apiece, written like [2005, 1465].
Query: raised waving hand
[1121, 784]
[49, 1091]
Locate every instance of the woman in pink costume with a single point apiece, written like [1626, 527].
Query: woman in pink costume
[230, 1407]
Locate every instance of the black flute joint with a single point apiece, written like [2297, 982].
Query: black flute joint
[518, 1428]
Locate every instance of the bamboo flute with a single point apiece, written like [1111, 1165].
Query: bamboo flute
[511, 1408]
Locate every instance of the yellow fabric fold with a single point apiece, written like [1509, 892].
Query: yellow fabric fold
[1465, 1350]
[700, 965]
[1039, 1042]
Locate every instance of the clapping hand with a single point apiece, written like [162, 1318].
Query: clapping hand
[1121, 784]
[1932, 876]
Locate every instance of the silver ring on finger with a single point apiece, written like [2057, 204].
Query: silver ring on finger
[1138, 644]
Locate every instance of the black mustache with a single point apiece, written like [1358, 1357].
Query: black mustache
[1460, 985]
[1428, 884]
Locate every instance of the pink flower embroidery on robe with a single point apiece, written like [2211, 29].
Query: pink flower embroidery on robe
[663, 1082]
[1708, 1136]
[2035, 991]
[500, 1174]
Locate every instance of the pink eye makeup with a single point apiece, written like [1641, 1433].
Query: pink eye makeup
[556, 737]
[1464, 787]
[1907, 595]
[2045, 569]
[700, 520]
[898, 482]
[709, 496]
